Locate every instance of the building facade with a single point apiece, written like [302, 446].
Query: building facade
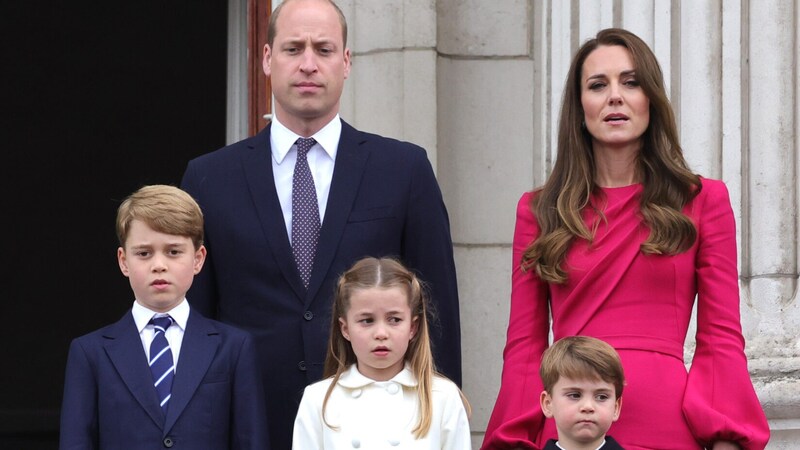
[478, 83]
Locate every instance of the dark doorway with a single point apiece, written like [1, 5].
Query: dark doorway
[99, 101]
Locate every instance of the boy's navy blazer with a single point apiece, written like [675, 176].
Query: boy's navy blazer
[610, 444]
[110, 402]
[384, 200]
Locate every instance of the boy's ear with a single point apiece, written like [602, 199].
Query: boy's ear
[343, 328]
[546, 401]
[123, 263]
[199, 258]
[617, 408]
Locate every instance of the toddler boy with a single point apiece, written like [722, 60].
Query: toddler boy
[583, 381]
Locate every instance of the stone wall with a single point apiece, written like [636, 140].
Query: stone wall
[478, 83]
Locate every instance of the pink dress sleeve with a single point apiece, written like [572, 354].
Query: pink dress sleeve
[720, 402]
[517, 419]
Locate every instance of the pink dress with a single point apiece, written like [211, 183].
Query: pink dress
[641, 304]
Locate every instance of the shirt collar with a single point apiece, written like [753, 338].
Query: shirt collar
[142, 314]
[282, 139]
[353, 379]
[598, 448]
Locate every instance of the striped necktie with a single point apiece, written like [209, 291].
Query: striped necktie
[161, 364]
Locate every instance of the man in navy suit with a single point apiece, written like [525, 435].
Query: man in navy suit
[376, 197]
[163, 376]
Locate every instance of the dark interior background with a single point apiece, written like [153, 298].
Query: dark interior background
[98, 100]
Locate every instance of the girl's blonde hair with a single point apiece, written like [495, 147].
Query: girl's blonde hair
[384, 273]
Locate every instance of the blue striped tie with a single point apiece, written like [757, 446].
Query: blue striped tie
[161, 364]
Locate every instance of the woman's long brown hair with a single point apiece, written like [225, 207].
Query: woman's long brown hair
[668, 183]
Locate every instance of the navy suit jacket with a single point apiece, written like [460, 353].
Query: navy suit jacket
[384, 201]
[110, 402]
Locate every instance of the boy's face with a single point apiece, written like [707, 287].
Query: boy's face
[160, 266]
[583, 410]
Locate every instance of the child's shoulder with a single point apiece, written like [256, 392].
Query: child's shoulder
[111, 330]
[318, 388]
[445, 385]
[225, 330]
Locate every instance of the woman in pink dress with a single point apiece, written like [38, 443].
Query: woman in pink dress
[618, 244]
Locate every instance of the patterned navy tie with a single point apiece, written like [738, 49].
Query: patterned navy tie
[161, 364]
[305, 212]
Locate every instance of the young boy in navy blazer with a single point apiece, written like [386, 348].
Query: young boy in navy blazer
[163, 376]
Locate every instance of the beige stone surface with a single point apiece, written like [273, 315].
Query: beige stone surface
[483, 28]
[485, 144]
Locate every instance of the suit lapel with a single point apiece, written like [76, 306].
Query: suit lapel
[124, 349]
[198, 348]
[257, 167]
[351, 159]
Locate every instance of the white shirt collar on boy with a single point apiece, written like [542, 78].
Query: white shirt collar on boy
[321, 160]
[598, 448]
[174, 334]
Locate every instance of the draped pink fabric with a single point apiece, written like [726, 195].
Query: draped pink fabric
[641, 304]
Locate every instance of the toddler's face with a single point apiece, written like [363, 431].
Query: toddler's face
[583, 410]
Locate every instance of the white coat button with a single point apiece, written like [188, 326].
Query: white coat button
[356, 443]
[394, 442]
[393, 389]
[356, 393]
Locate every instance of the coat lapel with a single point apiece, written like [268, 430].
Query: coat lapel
[257, 167]
[198, 348]
[124, 349]
[351, 159]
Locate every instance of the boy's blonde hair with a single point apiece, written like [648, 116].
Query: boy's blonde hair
[581, 358]
[384, 273]
[163, 208]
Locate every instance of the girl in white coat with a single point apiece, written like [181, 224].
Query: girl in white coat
[381, 390]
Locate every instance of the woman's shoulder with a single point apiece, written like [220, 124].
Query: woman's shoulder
[525, 203]
[528, 196]
[712, 189]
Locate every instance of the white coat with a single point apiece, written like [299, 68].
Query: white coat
[376, 415]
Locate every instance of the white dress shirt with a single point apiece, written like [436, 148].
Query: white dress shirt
[376, 415]
[174, 334]
[321, 159]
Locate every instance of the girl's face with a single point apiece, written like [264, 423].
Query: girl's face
[379, 326]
